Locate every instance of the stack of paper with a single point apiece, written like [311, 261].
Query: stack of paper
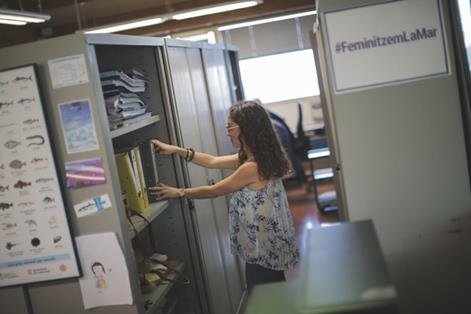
[123, 105]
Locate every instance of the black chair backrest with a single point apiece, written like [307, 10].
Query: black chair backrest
[302, 145]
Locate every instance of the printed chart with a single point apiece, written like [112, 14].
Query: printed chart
[35, 240]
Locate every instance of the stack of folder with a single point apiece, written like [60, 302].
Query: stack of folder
[123, 104]
[132, 179]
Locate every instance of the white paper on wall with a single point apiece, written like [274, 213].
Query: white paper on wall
[105, 278]
[68, 71]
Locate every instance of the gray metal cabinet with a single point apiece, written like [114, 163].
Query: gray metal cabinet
[200, 128]
[173, 225]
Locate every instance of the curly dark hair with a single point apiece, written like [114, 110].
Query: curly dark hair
[260, 137]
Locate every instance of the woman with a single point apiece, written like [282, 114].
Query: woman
[261, 227]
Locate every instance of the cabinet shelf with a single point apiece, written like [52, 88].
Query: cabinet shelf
[325, 173]
[135, 126]
[151, 212]
[158, 294]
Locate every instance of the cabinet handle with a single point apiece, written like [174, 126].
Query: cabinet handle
[191, 204]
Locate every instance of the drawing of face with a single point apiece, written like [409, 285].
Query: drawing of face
[99, 272]
[98, 269]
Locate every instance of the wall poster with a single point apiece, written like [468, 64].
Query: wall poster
[386, 43]
[35, 240]
[78, 126]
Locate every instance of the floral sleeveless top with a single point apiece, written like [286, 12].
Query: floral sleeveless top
[261, 227]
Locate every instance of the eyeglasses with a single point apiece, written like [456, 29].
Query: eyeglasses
[229, 128]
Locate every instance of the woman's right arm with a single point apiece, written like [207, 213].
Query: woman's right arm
[201, 159]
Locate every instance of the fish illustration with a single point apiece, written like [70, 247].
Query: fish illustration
[17, 164]
[4, 188]
[25, 204]
[42, 180]
[33, 137]
[6, 125]
[1, 166]
[52, 220]
[48, 199]
[36, 160]
[3, 83]
[6, 104]
[11, 144]
[8, 225]
[21, 184]
[57, 238]
[10, 245]
[4, 206]
[31, 223]
[25, 101]
[20, 79]
[30, 121]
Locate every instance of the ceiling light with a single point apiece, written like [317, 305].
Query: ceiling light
[24, 16]
[11, 22]
[264, 21]
[214, 10]
[127, 26]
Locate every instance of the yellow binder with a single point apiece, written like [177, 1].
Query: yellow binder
[140, 171]
[129, 184]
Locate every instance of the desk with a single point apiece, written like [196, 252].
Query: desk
[324, 202]
[342, 271]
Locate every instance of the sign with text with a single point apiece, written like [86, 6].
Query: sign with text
[386, 44]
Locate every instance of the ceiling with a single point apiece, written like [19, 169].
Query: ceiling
[69, 16]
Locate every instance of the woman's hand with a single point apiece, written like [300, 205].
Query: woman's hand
[163, 191]
[163, 148]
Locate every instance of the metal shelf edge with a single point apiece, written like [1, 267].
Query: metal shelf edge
[151, 212]
[135, 126]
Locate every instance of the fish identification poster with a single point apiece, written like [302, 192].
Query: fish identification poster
[35, 240]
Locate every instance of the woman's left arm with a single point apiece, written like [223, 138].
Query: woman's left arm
[244, 175]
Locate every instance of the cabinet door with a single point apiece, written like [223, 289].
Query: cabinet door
[195, 123]
[219, 95]
[234, 284]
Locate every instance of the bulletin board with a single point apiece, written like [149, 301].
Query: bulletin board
[35, 240]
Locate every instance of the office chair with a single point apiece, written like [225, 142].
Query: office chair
[288, 141]
[302, 143]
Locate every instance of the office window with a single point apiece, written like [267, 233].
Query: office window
[465, 15]
[280, 77]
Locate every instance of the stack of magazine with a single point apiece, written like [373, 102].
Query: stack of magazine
[123, 103]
